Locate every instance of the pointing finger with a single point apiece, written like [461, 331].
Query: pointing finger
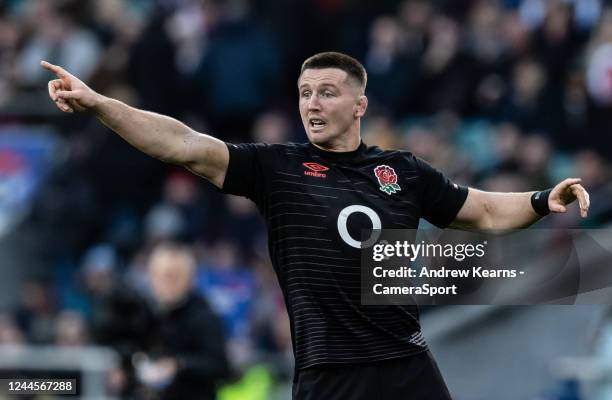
[56, 69]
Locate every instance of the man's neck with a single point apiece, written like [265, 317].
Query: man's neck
[343, 145]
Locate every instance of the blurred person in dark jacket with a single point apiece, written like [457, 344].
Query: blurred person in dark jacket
[119, 316]
[187, 358]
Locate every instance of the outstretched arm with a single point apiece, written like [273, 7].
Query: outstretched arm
[157, 135]
[503, 211]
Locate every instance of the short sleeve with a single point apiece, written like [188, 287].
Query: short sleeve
[246, 171]
[441, 199]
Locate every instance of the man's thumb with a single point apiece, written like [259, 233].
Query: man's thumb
[558, 208]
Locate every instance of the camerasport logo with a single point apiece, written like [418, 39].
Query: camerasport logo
[315, 169]
[387, 179]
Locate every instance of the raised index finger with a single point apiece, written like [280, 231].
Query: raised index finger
[56, 69]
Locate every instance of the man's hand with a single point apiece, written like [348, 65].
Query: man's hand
[68, 92]
[168, 366]
[565, 193]
[156, 374]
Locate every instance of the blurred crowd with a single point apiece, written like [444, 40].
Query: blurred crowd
[505, 95]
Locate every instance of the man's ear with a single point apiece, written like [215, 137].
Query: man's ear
[361, 106]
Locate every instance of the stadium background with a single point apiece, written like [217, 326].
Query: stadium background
[507, 95]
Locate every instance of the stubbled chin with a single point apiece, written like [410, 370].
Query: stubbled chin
[319, 133]
[318, 137]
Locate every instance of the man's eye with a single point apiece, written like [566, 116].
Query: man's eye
[305, 94]
[327, 93]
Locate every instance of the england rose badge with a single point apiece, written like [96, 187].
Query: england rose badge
[387, 179]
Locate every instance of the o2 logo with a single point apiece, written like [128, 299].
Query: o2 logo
[343, 229]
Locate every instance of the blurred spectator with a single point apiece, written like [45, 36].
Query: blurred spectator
[70, 329]
[555, 42]
[272, 127]
[9, 37]
[154, 43]
[484, 37]
[533, 160]
[36, 311]
[239, 72]
[58, 36]
[181, 213]
[446, 72]
[379, 130]
[507, 141]
[432, 141]
[187, 357]
[596, 174]
[592, 169]
[599, 63]
[515, 34]
[391, 72]
[413, 18]
[599, 84]
[528, 104]
[119, 317]
[575, 110]
[10, 334]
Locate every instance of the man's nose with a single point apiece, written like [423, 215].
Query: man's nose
[313, 102]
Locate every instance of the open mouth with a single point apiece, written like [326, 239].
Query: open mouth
[317, 123]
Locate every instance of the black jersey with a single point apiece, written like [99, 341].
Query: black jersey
[315, 204]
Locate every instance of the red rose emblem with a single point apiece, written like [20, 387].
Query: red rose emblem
[387, 178]
[385, 174]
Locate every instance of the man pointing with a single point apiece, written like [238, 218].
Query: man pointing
[315, 198]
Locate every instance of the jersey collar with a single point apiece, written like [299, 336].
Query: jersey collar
[340, 156]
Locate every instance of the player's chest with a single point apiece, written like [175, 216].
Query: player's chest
[385, 194]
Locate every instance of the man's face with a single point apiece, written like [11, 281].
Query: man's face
[171, 277]
[330, 105]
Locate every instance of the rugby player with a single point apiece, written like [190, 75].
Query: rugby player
[314, 197]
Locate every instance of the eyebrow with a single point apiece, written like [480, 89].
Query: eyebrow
[322, 85]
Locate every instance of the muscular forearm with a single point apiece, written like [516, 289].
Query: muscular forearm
[157, 135]
[509, 211]
[496, 211]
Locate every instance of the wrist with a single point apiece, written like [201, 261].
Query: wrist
[99, 104]
[539, 202]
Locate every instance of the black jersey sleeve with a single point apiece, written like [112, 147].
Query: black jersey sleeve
[246, 171]
[441, 199]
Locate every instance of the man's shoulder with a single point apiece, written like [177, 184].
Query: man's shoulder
[196, 303]
[375, 152]
[290, 147]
